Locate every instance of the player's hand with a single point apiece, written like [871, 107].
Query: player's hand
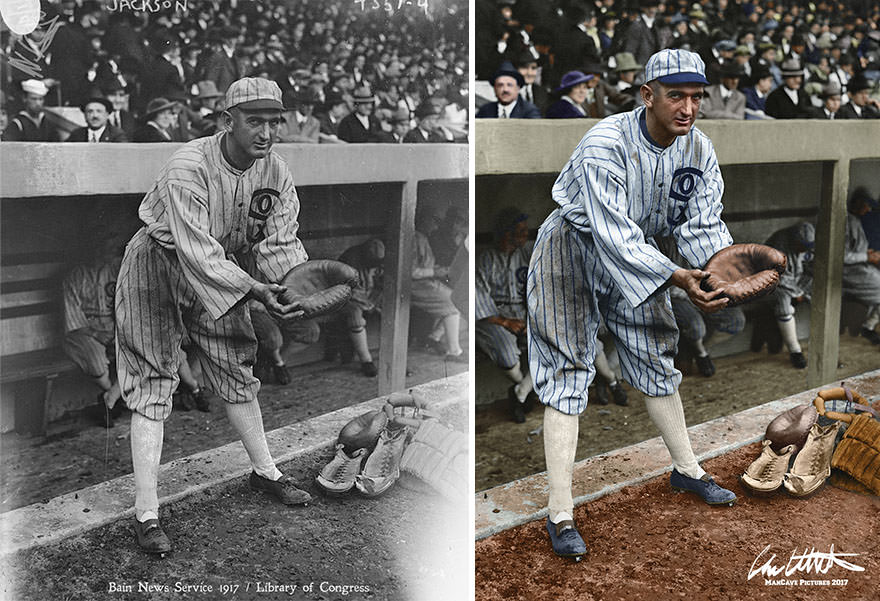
[268, 294]
[515, 326]
[689, 281]
[874, 256]
[441, 272]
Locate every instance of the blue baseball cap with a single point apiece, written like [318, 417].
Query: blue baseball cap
[676, 66]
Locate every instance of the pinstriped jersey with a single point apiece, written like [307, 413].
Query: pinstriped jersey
[623, 189]
[88, 294]
[500, 287]
[207, 211]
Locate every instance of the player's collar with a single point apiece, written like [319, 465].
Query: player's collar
[643, 126]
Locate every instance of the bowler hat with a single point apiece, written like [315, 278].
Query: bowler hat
[427, 109]
[100, 100]
[507, 70]
[731, 70]
[858, 83]
[571, 79]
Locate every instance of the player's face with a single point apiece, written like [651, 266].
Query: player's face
[672, 110]
[254, 132]
[506, 89]
[520, 234]
[96, 115]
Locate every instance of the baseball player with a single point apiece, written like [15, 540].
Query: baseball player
[216, 197]
[861, 265]
[795, 284]
[501, 304]
[633, 176]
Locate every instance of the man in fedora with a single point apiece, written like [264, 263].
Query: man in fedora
[789, 101]
[97, 113]
[299, 125]
[756, 95]
[361, 125]
[335, 110]
[642, 37]
[159, 117]
[724, 100]
[531, 91]
[626, 68]
[603, 99]
[830, 108]
[507, 82]
[860, 105]
[31, 124]
[428, 116]
[120, 116]
[400, 124]
[221, 65]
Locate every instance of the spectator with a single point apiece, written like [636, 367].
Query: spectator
[789, 101]
[400, 124]
[165, 76]
[500, 306]
[507, 82]
[830, 102]
[335, 110]
[427, 129]
[860, 105]
[578, 43]
[642, 39]
[299, 124]
[626, 69]
[742, 58]
[603, 99]
[97, 113]
[724, 100]
[756, 95]
[607, 30]
[531, 91]
[361, 125]
[159, 119]
[31, 124]
[572, 92]
[220, 63]
[766, 60]
[120, 116]
[723, 52]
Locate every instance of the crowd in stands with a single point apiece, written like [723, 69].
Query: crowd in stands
[348, 73]
[765, 59]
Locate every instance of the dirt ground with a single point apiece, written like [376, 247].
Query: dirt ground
[506, 451]
[406, 545]
[82, 454]
[647, 542]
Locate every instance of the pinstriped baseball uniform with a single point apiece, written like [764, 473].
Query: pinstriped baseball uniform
[89, 324]
[179, 275]
[501, 290]
[796, 241]
[595, 255]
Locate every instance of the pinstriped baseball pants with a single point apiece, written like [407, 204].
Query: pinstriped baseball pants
[568, 290]
[155, 308]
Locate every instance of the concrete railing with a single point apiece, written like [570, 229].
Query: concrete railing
[518, 147]
[35, 170]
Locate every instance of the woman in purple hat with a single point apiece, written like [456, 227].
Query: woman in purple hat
[572, 93]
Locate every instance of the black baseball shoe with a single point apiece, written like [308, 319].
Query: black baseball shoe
[517, 407]
[368, 368]
[705, 366]
[151, 538]
[871, 335]
[600, 392]
[281, 375]
[619, 395]
[565, 539]
[201, 400]
[797, 360]
[282, 489]
[704, 487]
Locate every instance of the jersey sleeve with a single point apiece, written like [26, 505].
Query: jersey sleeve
[218, 281]
[637, 267]
[855, 248]
[74, 317]
[703, 233]
[281, 249]
[484, 303]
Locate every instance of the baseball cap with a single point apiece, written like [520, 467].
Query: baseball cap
[254, 94]
[673, 66]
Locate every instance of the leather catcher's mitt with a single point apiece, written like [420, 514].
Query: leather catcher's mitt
[321, 287]
[362, 432]
[438, 456]
[791, 427]
[745, 271]
[858, 454]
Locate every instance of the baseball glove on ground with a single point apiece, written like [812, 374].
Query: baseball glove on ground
[320, 287]
[438, 456]
[745, 271]
[858, 454]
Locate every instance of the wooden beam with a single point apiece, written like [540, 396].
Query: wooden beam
[828, 274]
[397, 290]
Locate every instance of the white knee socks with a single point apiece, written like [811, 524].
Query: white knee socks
[603, 368]
[788, 329]
[873, 318]
[524, 387]
[668, 415]
[146, 452]
[560, 444]
[248, 423]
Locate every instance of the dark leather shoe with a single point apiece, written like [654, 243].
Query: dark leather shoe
[368, 368]
[566, 540]
[798, 360]
[600, 391]
[619, 395]
[871, 335]
[705, 366]
[151, 538]
[517, 407]
[281, 375]
[201, 400]
[282, 489]
[704, 487]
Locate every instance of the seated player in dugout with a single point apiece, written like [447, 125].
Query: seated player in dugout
[633, 176]
[88, 290]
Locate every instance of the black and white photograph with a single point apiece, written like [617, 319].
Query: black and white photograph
[235, 320]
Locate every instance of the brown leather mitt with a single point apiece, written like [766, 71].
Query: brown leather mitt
[745, 271]
[858, 454]
[362, 432]
[791, 427]
[320, 287]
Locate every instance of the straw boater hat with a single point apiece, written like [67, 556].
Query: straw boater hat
[363, 95]
[791, 68]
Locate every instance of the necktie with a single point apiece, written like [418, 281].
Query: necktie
[503, 112]
[92, 137]
[529, 93]
[114, 119]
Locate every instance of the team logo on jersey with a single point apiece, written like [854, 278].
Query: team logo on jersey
[522, 273]
[684, 182]
[262, 201]
[110, 292]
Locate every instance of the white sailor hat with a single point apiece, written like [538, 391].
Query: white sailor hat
[34, 86]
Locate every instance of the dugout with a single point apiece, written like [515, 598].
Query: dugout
[53, 195]
[776, 173]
